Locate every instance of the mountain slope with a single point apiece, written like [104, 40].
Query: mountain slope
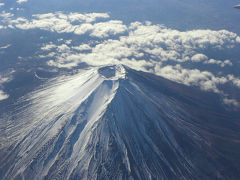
[118, 123]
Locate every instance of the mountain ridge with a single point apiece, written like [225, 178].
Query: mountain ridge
[117, 123]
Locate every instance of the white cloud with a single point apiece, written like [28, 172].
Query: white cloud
[19, 9]
[49, 55]
[48, 47]
[68, 41]
[3, 96]
[230, 102]
[63, 48]
[205, 60]
[194, 77]
[199, 58]
[105, 29]
[1, 4]
[5, 47]
[6, 16]
[219, 62]
[234, 80]
[83, 28]
[238, 39]
[82, 47]
[71, 23]
[88, 18]
[102, 29]
[21, 1]
[3, 79]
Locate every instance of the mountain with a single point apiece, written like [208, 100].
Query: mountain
[114, 122]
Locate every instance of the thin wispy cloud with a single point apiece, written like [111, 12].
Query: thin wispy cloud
[3, 79]
[3, 95]
[5, 47]
[21, 1]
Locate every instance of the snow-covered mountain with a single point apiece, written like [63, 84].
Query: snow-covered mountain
[117, 123]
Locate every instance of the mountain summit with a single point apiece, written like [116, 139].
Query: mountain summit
[117, 123]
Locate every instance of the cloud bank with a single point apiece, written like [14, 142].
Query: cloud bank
[142, 46]
[147, 47]
[69, 23]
